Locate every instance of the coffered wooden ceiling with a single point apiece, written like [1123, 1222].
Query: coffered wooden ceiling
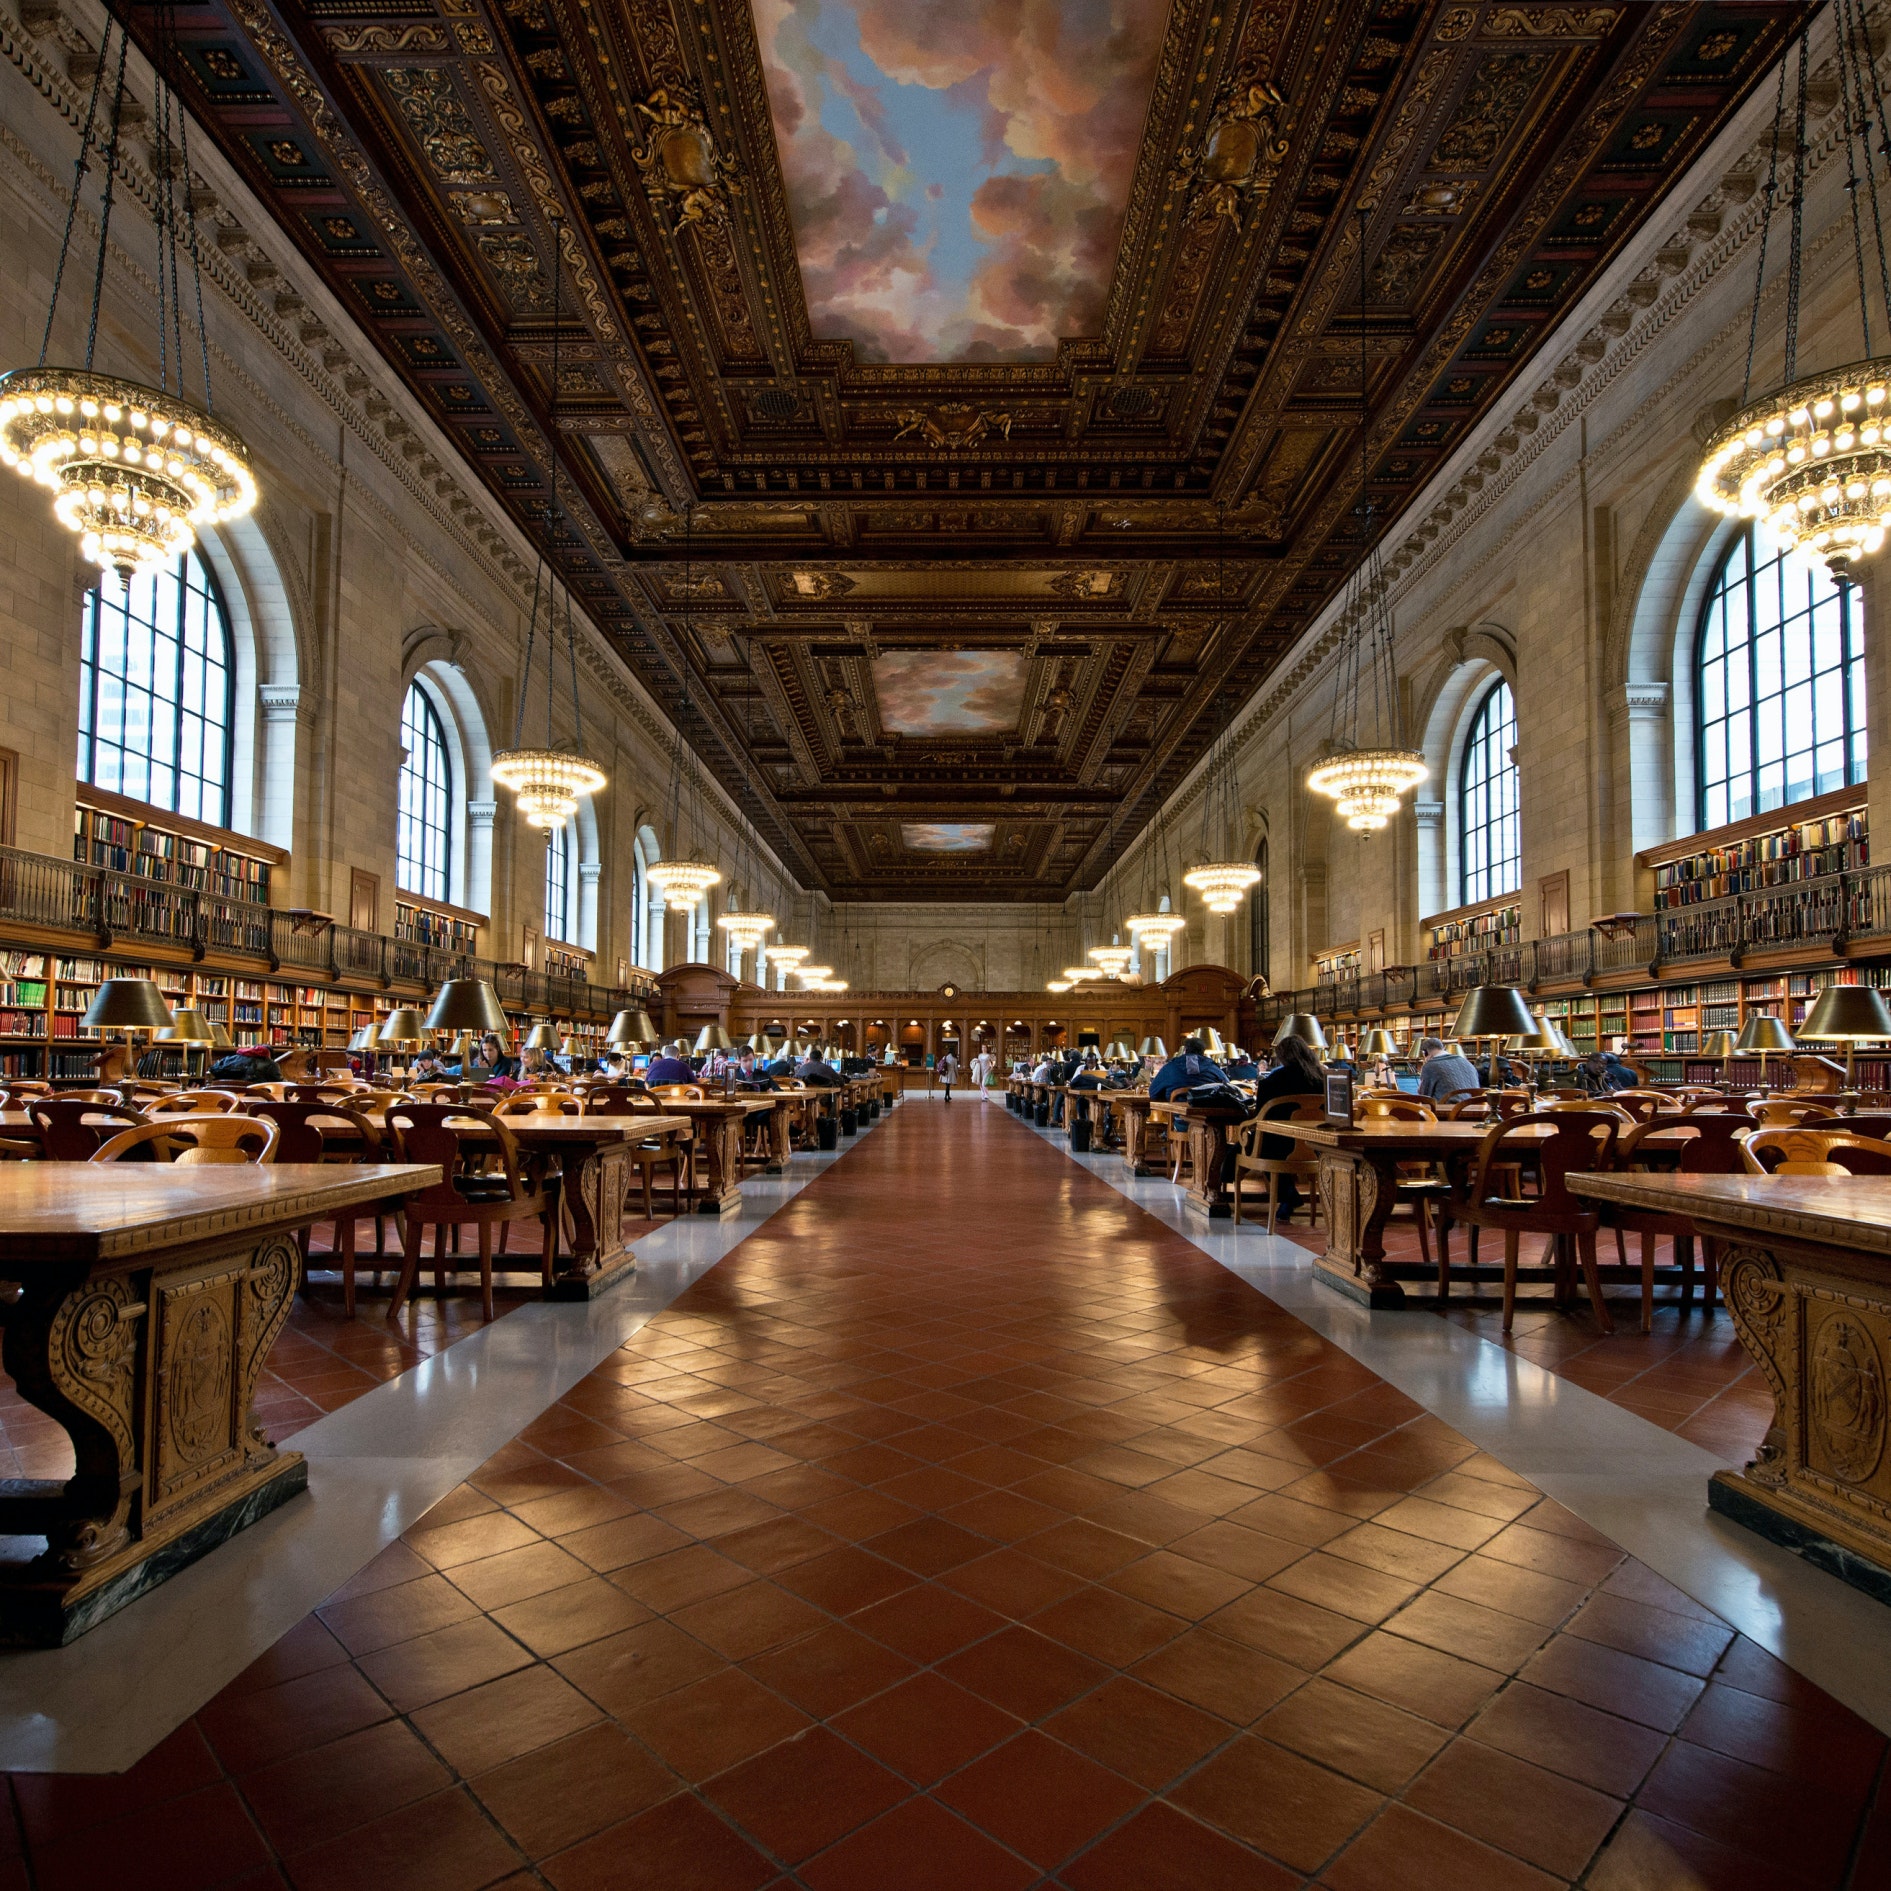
[956, 626]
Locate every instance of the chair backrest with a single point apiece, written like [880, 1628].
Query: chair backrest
[71, 1128]
[682, 1092]
[274, 1092]
[193, 1103]
[299, 1135]
[325, 1092]
[1703, 1144]
[1641, 1104]
[206, 1138]
[434, 1132]
[1400, 1109]
[539, 1103]
[613, 1099]
[1779, 1113]
[1782, 1150]
[1872, 1123]
[1860, 1155]
[1580, 1142]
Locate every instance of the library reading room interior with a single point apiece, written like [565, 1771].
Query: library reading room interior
[938, 945]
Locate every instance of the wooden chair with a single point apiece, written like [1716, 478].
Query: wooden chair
[680, 1093]
[1580, 1142]
[346, 1093]
[615, 1099]
[671, 1149]
[1783, 1113]
[1395, 1106]
[194, 1103]
[435, 1133]
[1421, 1185]
[540, 1103]
[14, 1095]
[207, 1138]
[303, 1140]
[71, 1128]
[1298, 1164]
[1642, 1104]
[1701, 1145]
[1778, 1151]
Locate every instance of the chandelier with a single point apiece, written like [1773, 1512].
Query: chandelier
[826, 984]
[1155, 930]
[549, 782]
[682, 883]
[1812, 459]
[747, 930]
[1057, 984]
[1155, 926]
[1112, 960]
[1222, 882]
[1222, 886]
[813, 974]
[1366, 765]
[136, 472]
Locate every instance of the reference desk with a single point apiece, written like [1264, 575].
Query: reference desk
[149, 1297]
[1805, 1269]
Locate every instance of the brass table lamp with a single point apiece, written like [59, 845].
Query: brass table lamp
[1851, 1015]
[1762, 1035]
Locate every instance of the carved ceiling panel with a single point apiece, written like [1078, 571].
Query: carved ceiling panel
[991, 557]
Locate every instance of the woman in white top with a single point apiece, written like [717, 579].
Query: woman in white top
[981, 1072]
[948, 1073]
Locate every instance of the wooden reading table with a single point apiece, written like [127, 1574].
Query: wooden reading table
[149, 1297]
[1806, 1273]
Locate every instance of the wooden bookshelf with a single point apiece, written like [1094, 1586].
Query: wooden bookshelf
[436, 925]
[1828, 834]
[1338, 961]
[1480, 928]
[172, 850]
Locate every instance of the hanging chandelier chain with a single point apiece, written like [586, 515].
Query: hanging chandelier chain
[1863, 75]
[1851, 172]
[1795, 265]
[105, 202]
[1766, 226]
[87, 135]
[193, 245]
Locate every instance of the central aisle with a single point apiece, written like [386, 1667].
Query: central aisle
[967, 1528]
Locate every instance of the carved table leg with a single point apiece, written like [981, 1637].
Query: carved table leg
[597, 1180]
[1207, 1149]
[1357, 1194]
[780, 1146]
[151, 1373]
[722, 1190]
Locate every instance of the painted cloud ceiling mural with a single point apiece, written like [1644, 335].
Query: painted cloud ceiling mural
[958, 169]
[949, 692]
[947, 837]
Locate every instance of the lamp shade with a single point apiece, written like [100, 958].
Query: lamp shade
[632, 1027]
[130, 1004]
[1543, 1040]
[405, 1026]
[712, 1037]
[363, 1039]
[1856, 1012]
[219, 1037]
[1378, 1042]
[1717, 1044]
[462, 1046]
[1763, 1033]
[466, 1004]
[1303, 1025]
[1152, 1047]
[542, 1037]
[1493, 1011]
[188, 1027]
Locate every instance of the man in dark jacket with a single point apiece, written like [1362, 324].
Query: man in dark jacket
[670, 1067]
[1241, 1068]
[1188, 1067]
[818, 1072]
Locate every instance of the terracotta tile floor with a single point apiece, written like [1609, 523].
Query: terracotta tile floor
[968, 1529]
[322, 1361]
[1690, 1375]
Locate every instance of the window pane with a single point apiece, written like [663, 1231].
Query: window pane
[1779, 668]
[423, 832]
[154, 690]
[1489, 849]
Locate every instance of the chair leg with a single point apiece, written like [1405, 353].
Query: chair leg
[1648, 1279]
[345, 1247]
[1420, 1211]
[439, 1256]
[1710, 1271]
[1510, 1273]
[649, 1205]
[1273, 1201]
[410, 1269]
[1586, 1251]
[548, 1258]
[485, 1269]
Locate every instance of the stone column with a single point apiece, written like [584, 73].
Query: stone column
[589, 873]
[281, 724]
[1429, 826]
[1641, 741]
[1874, 592]
[480, 816]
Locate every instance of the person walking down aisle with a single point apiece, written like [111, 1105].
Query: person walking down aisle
[948, 1073]
[982, 1066]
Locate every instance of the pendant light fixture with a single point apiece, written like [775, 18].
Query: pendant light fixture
[1812, 459]
[747, 929]
[549, 782]
[137, 471]
[1222, 883]
[1366, 766]
[683, 881]
[1156, 925]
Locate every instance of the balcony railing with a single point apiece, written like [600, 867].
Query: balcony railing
[118, 910]
[1824, 913]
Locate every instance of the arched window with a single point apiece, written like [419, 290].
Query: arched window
[1781, 676]
[155, 701]
[423, 842]
[646, 910]
[561, 918]
[1490, 853]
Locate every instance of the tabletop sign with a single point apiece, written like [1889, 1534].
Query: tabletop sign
[1339, 1096]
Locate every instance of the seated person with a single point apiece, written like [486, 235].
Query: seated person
[1297, 1072]
[671, 1067]
[248, 1063]
[818, 1072]
[1049, 1070]
[1440, 1071]
[1188, 1067]
[493, 1060]
[1601, 1075]
[1089, 1074]
[1241, 1067]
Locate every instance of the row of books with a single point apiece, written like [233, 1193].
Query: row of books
[1808, 851]
[152, 853]
[1480, 933]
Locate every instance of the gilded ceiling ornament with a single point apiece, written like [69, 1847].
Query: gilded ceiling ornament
[441, 122]
[953, 426]
[681, 166]
[1237, 161]
[421, 37]
[818, 585]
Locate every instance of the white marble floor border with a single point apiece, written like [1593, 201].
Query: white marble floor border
[1641, 1486]
[376, 1467]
